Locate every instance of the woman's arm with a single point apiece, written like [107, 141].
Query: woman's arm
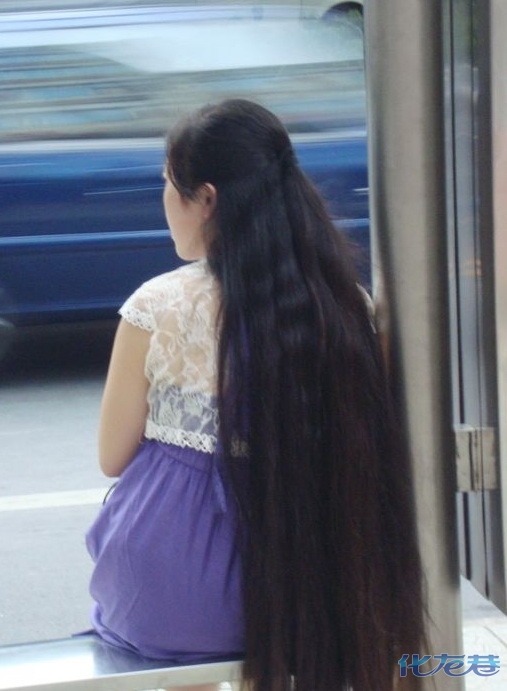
[124, 406]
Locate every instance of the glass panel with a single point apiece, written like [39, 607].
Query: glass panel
[133, 81]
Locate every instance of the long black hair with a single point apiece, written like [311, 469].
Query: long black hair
[332, 575]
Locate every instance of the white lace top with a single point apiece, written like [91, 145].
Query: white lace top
[180, 310]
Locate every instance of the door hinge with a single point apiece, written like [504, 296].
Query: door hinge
[476, 458]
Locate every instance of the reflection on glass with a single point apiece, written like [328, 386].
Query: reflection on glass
[134, 80]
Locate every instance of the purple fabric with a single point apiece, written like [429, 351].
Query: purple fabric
[167, 577]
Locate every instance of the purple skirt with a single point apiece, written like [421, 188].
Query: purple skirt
[167, 577]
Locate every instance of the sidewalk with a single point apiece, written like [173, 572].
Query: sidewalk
[484, 633]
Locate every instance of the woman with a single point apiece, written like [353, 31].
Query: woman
[267, 511]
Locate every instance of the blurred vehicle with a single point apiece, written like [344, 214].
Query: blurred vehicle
[85, 100]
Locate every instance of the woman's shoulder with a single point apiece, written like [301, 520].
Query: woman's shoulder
[184, 277]
[175, 291]
[181, 281]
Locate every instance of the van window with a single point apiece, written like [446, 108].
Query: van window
[134, 80]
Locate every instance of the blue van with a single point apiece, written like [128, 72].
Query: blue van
[86, 98]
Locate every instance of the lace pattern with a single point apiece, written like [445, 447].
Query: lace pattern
[180, 437]
[180, 310]
[136, 317]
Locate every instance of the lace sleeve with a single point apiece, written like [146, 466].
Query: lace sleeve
[137, 309]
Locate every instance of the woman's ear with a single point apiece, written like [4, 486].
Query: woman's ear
[208, 199]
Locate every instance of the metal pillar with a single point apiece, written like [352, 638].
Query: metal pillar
[404, 69]
[498, 22]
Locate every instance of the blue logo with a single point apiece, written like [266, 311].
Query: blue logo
[452, 665]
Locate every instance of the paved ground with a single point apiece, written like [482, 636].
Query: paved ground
[484, 633]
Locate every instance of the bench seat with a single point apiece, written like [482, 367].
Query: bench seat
[87, 663]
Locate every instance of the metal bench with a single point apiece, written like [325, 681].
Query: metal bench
[86, 663]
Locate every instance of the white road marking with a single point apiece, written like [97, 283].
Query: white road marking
[52, 500]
